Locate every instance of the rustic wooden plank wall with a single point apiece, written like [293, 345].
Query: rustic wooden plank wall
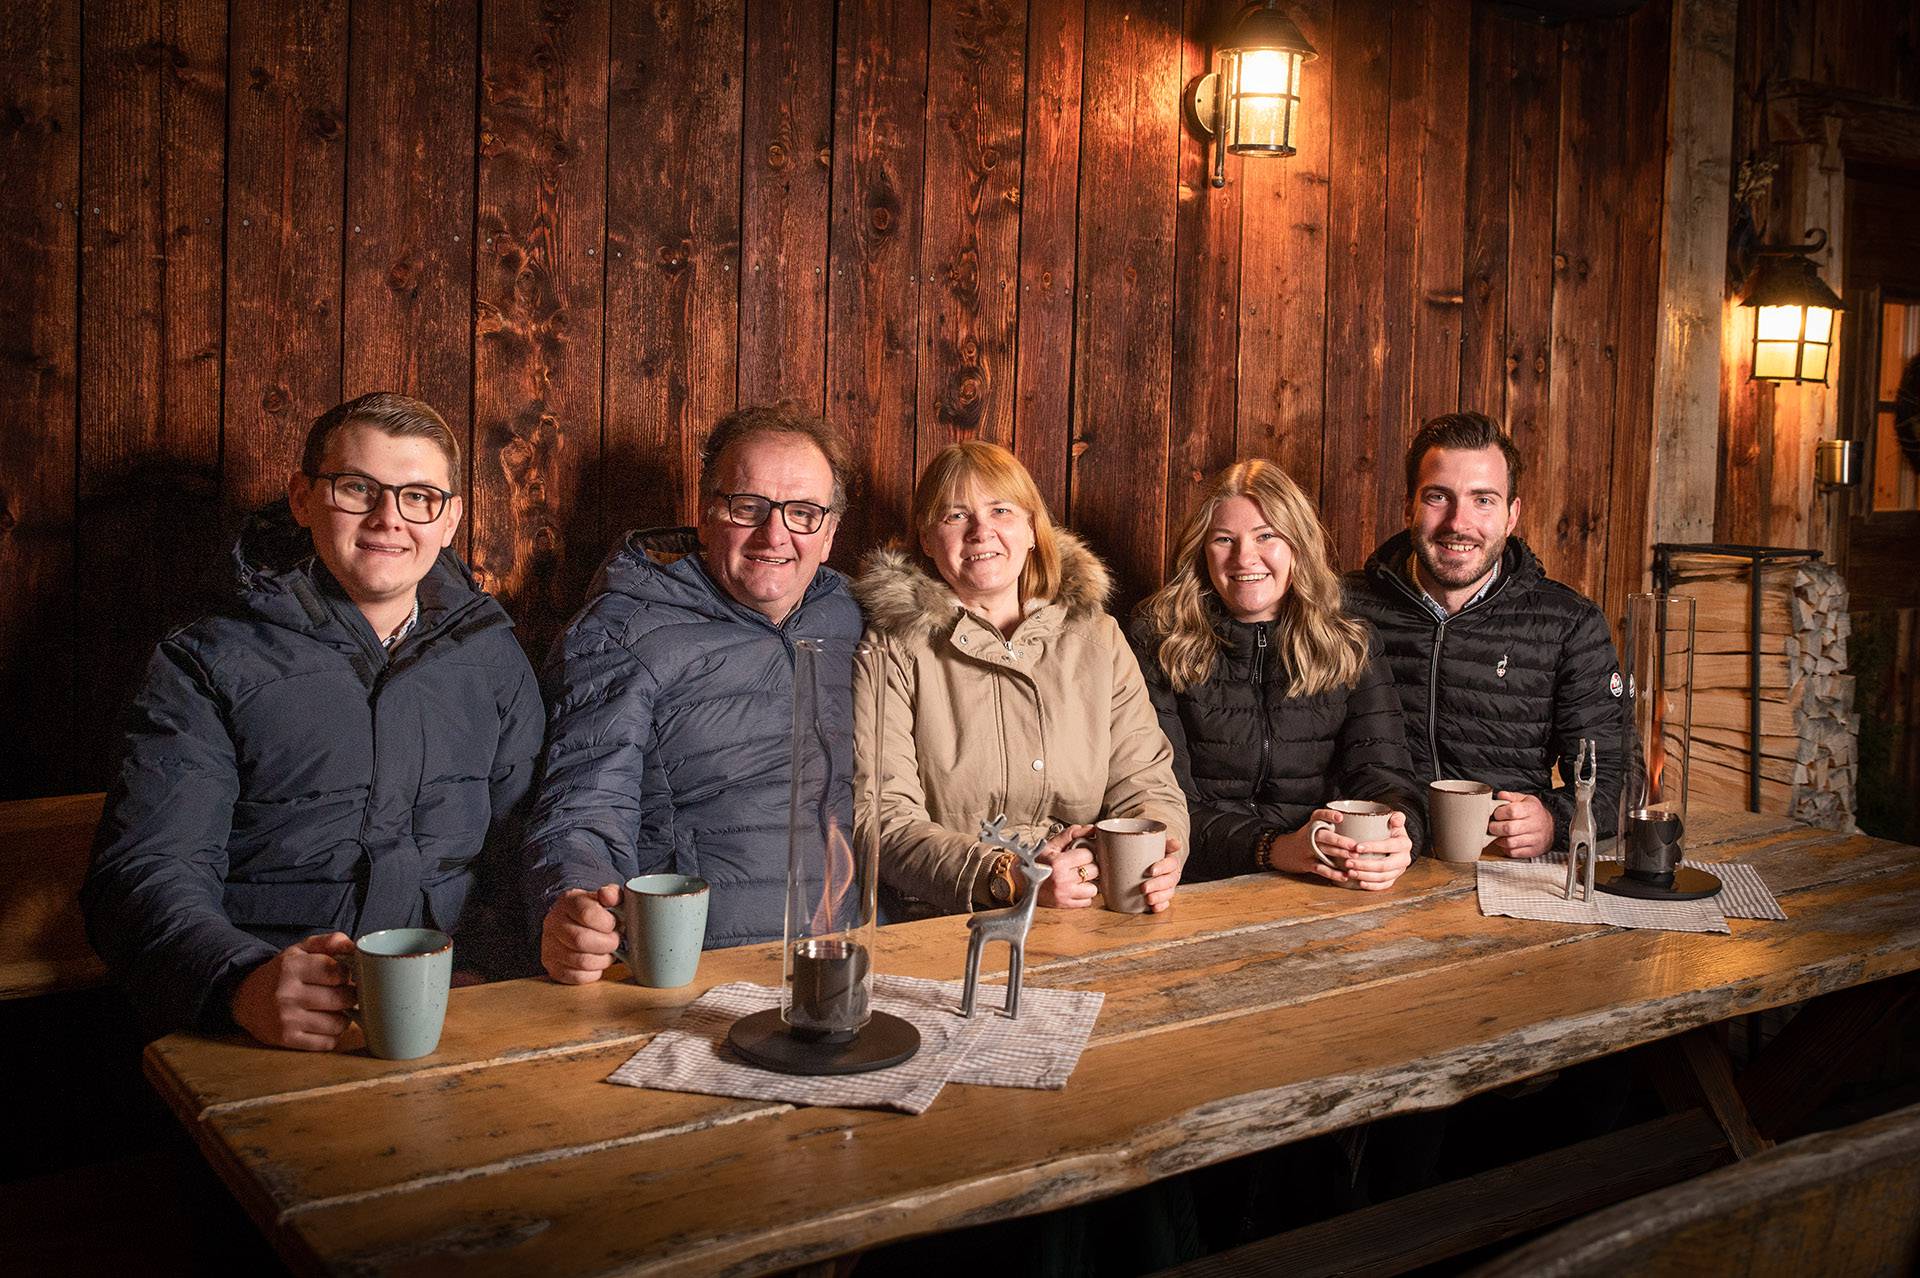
[1862, 50]
[586, 230]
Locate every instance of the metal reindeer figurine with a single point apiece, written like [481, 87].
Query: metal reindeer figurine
[1582, 847]
[1009, 925]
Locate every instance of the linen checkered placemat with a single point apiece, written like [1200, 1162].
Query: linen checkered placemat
[1536, 889]
[1040, 1049]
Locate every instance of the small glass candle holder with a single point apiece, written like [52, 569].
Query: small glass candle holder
[1657, 723]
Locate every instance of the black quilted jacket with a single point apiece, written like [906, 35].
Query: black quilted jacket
[1253, 759]
[1505, 688]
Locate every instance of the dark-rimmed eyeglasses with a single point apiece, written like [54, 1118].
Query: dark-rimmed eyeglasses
[358, 494]
[750, 510]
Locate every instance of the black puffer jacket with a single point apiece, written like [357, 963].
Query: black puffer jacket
[1505, 688]
[285, 776]
[1255, 760]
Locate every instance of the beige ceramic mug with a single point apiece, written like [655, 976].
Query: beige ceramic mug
[1460, 811]
[1125, 848]
[1361, 820]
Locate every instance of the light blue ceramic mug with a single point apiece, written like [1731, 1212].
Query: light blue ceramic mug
[403, 974]
[663, 920]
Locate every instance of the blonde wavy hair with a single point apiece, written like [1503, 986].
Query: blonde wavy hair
[975, 466]
[1323, 646]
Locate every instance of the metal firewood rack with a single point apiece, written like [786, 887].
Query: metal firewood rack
[1757, 557]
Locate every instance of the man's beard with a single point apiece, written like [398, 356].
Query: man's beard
[1453, 578]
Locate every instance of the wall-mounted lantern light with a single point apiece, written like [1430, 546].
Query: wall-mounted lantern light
[1793, 333]
[1250, 103]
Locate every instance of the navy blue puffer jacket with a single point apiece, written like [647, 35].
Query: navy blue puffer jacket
[670, 736]
[284, 777]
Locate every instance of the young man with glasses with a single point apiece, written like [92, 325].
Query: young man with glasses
[342, 749]
[672, 696]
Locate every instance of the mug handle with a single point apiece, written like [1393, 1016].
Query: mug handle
[1319, 853]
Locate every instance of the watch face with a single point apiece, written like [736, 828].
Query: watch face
[1003, 881]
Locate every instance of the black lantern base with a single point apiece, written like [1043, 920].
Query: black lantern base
[1688, 884]
[764, 1039]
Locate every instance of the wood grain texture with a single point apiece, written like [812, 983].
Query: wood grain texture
[970, 222]
[1425, 235]
[786, 165]
[408, 301]
[533, 508]
[1049, 222]
[1283, 287]
[1130, 151]
[1490, 106]
[1357, 442]
[1586, 299]
[1693, 241]
[45, 845]
[1628, 560]
[153, 138]
[873, 297]
[1208, 236]
[673, 236]
[1839, 1202]
[453, 1184]
[286, 194]
[1534, 158]
[39, 274]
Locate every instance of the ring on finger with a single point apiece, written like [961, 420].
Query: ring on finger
[1082, 872]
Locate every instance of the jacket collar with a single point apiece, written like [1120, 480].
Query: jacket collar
[904, 601]
[278, 577]
[1386, 571]
[665, 565]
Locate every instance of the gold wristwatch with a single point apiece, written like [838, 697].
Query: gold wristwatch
[1002, 888]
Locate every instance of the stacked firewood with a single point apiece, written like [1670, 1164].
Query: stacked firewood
[1808, 728]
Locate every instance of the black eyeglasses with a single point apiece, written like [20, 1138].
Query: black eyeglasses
[358, 494]
[750, 510]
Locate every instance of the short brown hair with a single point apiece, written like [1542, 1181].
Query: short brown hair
[783, 418]
[989, 470]
[1469, 431]
[390, 414]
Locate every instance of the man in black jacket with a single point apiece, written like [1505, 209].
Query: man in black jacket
[1501, 670]
[337, 751]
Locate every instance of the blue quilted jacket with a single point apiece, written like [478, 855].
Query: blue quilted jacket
[284, 776]
[670, 734]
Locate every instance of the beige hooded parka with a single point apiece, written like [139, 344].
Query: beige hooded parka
[1052, 727]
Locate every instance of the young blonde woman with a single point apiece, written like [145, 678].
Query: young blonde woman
[1009, 690]
[1274, 699]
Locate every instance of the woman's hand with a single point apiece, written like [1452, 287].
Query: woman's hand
[1372, 867]
[1163, 876]
[1071, 886]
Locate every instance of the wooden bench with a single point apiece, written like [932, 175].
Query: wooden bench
[1841, 1203]
[44, 847]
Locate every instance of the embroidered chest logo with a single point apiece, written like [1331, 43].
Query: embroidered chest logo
[1500, 670]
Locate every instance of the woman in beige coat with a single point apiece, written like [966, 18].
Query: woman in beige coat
[1009, 690]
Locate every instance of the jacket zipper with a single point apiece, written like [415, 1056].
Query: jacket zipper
[1260, 696]
[1433, 664]
[1433, 700]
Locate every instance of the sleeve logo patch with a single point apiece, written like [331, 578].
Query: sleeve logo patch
[1613, 683]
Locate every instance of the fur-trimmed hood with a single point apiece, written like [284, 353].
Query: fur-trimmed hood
[903, 601]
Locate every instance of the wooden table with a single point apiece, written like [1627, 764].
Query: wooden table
[1257, 1012]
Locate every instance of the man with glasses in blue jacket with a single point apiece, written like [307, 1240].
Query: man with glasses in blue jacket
[343, 748]
[671, 696]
